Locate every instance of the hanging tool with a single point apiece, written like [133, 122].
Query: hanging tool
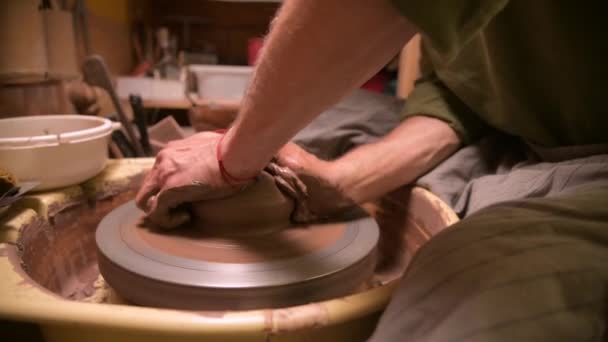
[121, 141]
[96, 74]
[141, 121]
[81, 22]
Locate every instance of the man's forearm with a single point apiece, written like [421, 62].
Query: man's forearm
[413, 148]
[316, 52]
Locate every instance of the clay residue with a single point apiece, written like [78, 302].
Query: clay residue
[12, 252]
[212, 314]
[60, 255]
[65, 212]
[303, 317]
[81, 285]
[102, 293]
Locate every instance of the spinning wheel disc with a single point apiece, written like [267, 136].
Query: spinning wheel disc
[188, 269]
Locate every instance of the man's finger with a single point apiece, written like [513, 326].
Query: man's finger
[164, 207]
[149, 188]
[286, 187]
[292, 186]
[288, 177]
[163, 216]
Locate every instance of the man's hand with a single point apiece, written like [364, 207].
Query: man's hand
[366, 173]
[185, 171]
[310, 181]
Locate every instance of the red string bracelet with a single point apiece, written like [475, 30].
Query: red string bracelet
[230, 179]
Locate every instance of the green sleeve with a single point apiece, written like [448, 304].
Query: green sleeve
[449, 24]
[446, 27]
[432, 98]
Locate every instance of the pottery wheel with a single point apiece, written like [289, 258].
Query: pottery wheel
[188, 268]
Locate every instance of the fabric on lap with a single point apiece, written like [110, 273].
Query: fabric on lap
[522, 270]
[500, 168]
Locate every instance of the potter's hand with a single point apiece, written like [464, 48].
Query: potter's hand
[185, 171]
[310, 181]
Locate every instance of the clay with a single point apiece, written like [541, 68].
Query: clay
[261, 208]
[194, 243]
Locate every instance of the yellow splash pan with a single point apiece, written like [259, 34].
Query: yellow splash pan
[30, 292]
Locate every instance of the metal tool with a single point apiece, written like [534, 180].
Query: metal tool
[121, 141]
[96, 74]
[16, 192]
[141, 121]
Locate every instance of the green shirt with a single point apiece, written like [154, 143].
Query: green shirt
[536, 69]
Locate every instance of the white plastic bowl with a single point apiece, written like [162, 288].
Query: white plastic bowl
[150, 89]
[57, 150]
[221, 82]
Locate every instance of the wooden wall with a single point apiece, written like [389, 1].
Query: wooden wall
[110, 34]
[227, 25]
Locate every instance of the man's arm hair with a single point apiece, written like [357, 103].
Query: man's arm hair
[317, 51]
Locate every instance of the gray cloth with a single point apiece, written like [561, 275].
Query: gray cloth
[527, 262]
[500, 168]
[529, 269]
[360, 118]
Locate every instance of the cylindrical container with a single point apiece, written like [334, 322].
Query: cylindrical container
[60, 45]
[57, 150]
[221, 82]
[35, 99]
[22, 42]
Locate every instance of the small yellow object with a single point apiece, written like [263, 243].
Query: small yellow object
[7, 181]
